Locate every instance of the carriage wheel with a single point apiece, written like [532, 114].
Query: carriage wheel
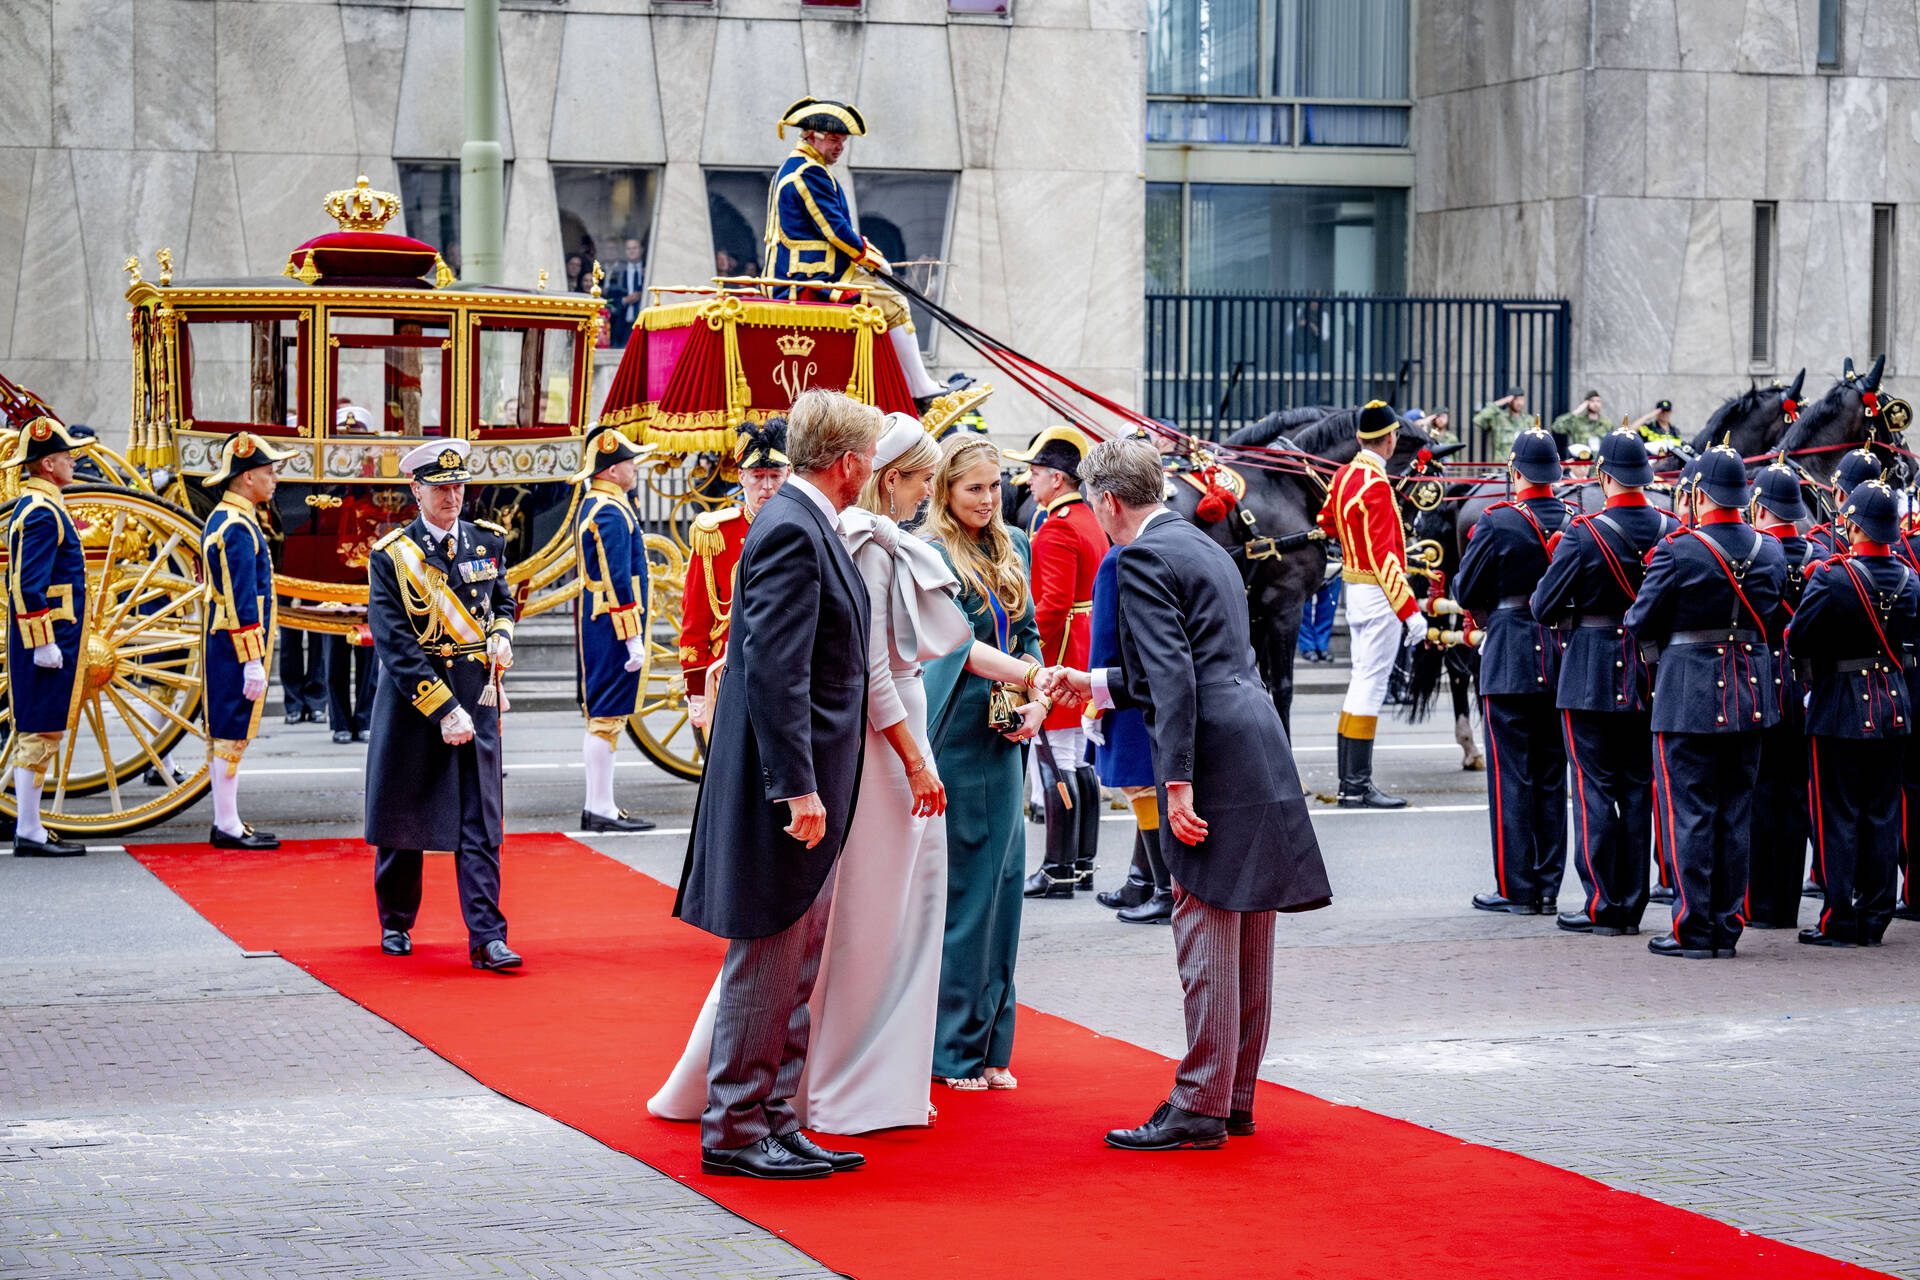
[137, 694]
[662, 727]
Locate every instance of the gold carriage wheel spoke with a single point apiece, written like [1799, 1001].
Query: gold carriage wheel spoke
[99, 723]
[149, 659]
[163, 642]
[139, 588]
[172, 679]
[165, 710]
[150, 620]
[107, 562]
[66, 766]
[135, 722]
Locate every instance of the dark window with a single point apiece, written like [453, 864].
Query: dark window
[737, 216]
[1829, 57]
[1246, 238]
[1885, 280]
[905, 215]
[1203, 47]
[430, 198]
[606, 216]
[977, 6]
[1164, 238]
[1761, 347]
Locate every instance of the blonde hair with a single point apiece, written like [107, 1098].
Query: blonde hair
[921, 454]
[824, 426]
[985, 561]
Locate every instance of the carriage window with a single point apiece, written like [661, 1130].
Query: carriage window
[524, 376]
[904, 214]
[389, 375]
[243, 372]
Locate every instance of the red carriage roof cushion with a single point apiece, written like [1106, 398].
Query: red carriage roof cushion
[365, 255]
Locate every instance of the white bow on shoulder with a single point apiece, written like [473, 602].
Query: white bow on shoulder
[927, 622]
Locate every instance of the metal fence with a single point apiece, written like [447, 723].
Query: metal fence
[1217, 362]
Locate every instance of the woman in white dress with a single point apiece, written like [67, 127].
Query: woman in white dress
[873, 1004]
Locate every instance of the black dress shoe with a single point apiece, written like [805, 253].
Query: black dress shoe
[247, 839]
[360, 735]
[1573, 921]
[154, 778]
[1768, 924]
[807, 1149]
[622, 821]
[1239, 1124]
[1155, 910]
[396, 942]
[1130, 894]
[1668, 945]
[495, 955]
[1660, 893]
[1815, 938]
[294, 717]
[1042, 884]
[767, 1158]
[52, 847]
[1494, 902]
[343, 735]
[1170, 1129]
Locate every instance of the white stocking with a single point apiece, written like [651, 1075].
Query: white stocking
[226, 799]
[155, 722]
[907, 348]
[26, 795]
[598, 754]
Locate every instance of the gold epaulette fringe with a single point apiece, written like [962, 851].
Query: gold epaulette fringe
[387, 538]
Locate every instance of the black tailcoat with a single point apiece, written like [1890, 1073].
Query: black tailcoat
[413, 776]
[790, 719]
[1186, 662]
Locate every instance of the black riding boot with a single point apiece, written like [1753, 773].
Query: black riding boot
[1356, 778]
[1159, 908]
[1086, 806]
[1139, 885]
[1055, 877]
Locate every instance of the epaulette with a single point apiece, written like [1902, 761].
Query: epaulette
[491, 527]
[387, 538]
[707, 537]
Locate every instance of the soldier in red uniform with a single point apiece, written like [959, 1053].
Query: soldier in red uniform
[1067, 551]
[715, 543]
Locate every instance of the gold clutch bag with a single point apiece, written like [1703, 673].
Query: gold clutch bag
[1003, 715]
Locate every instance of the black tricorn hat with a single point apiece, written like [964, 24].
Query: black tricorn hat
[42, 438]
[823, 115]
[1062, 448]
[243, 452]
[761, 446]
[607, 446]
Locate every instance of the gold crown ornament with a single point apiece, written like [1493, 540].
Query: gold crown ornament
[362, 208]
[449, 458]
[795, 344]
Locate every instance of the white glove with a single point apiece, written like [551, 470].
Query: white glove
[500, 651]
[456, 727]
[48, 656]
[1416, 628]
[636, 653]
[253, 681]
[697, 711]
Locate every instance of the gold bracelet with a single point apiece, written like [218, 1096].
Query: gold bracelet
[1031, 674]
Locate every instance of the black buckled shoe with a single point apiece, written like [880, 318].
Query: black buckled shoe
[396, 942]
[1169, 1130]
[52, 847]
[1155, 910]
[767, 1158]
[154, 778]
[247, 839]
[1668, 945]
[1815, 938]
[807, 1149]
[496, 956]
[623, 821]
[1240, 1124]
[1512, 906]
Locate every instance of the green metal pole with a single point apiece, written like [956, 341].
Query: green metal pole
[482, 181]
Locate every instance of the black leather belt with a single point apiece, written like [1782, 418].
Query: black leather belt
[1599, 620]
[1513, 602]
[1853, 666]
[1719, 635]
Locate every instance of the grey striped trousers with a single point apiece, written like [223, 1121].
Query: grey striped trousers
[1226, 971]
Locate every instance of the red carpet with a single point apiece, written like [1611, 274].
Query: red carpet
[1009, 1185]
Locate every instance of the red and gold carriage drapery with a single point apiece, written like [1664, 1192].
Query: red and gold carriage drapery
[694, 371]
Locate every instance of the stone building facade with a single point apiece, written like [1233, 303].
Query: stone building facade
[1625, 154]
[215, 127]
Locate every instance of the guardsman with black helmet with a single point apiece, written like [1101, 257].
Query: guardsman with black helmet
[1781, 822]
[441, 614]
[1606, 689]
[1507, 552]
[714, 552]
[1851, 633]
[1907, 908]
[47, 597]
[1703, 609]
[240, 625]
[1855, 467]
[1363, 515]
[611, 620]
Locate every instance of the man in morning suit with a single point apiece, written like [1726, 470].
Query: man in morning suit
[1243, 845]
[776, 798]
[1507, 552]
[610, 622]
[1606, 689]
[441, 615]
[238, 643]
[1851, 634]
[1703, 610]
[1782, 822]
[47, 598]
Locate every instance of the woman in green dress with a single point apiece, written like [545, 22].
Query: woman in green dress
[983, 770]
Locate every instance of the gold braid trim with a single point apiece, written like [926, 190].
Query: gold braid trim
[607, 728]
[35, 751]
[229, 750]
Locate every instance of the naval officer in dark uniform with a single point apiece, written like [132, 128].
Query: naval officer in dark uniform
[1781, 820]
[1506, 554]
[1851, 635]
[1606, 689]
[1703, 611]
[441, 615]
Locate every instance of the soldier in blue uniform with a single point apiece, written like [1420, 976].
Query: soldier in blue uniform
[1858, 465]
[1907, 547]
[1506, 555]
[1850, 634]
[1702, 613]
[1781, 823]
[610, 621]
[441, 615]
[1606, 689]
[47, 597]
[238, 640]
[811, 235]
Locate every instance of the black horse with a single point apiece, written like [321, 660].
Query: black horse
[1753, 422]
[1841, 420]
